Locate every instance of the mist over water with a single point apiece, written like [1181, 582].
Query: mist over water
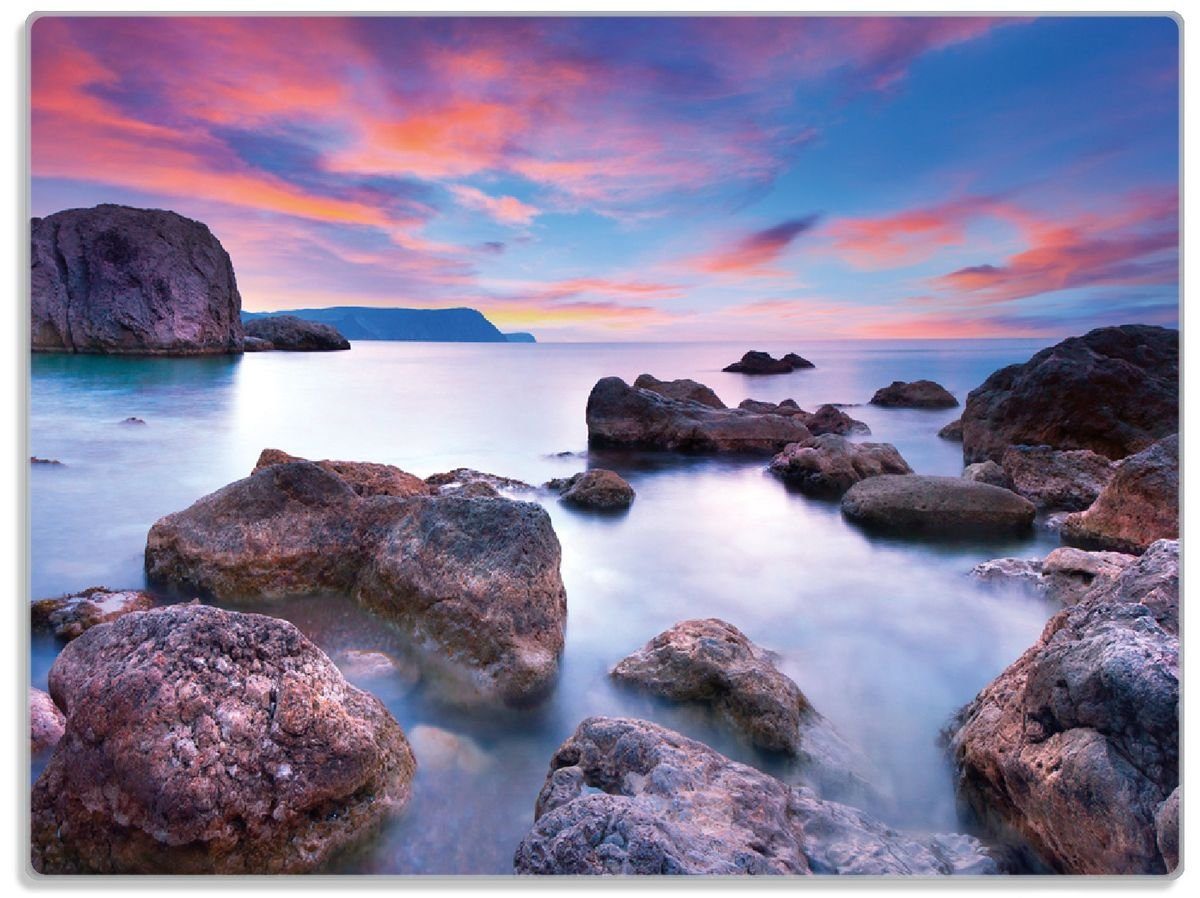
[887, 637]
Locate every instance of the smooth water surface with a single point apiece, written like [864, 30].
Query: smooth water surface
[886, 637]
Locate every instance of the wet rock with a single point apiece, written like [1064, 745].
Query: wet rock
[629, 797]
[952, 431]
[621, 416]
[34, 460]
[206, 741]
[69, 616]
[1064, 576]
[916, 394]
[118, 280]
[829, 464]
[46, 722]
[684, 390]
[987, 472]
[1114, 391]
[598, 488]
[291, 334]
[257, 344]
[466, 481]
[1054, 478]
[442, 750]
[1075, 745]
[364, 477]
[1139, 505]
[755, 362]
[919, 503]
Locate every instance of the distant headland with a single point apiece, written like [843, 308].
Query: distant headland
[459, 325]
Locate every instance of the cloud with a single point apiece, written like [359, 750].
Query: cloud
[752, 253]
[909, 236]
[505, 209]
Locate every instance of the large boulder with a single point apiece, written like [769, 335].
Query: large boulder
[1114, 391]
[621, 416]
[292, 334]
[69, 616]
[757, 362]
[924, 504]
[629, 797]
[206, 741]
[683, 389]
[46, 722]
[1139, 505]
[1067, 479]
[914, 394]
[366, 478]
[598, 489]
[829, 464]
[1076, 745]
[112, 279]
[477, 578]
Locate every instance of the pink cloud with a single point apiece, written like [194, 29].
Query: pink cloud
[505, 209]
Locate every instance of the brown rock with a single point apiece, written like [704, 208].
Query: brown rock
[921, 504]
[46, 722]
[829, 464]
[597, 488]
[684, 390]
[1053, 478]
[364, 477]
[917, 394]
[69, 616]
[987, 472]
[952, 431]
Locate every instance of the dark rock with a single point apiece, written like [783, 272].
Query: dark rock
[1139, 505]
[1166, 823]
[987, 472]
[755, 362]
[919, 503]
[34, 460]
[952, 431]
[629, 797]
[69, 616]
[831, 419]
[1053, 478]
[133, 421]
[112, 279]
[46, 722]
[598, 488]
[829, 464]
[797, 361]
[1075, 746]
[291, 334]
[917, 394]
[257, 344]
[1114, 391]
[683, 390]
[622, 416]
[364, 477]
[206, 741]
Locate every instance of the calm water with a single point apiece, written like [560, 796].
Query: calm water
[886, 637]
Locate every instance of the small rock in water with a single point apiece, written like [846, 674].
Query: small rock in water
[917, 394]
[598, 489]
[829, 464]
[34, 460]
[361, 664]
[438, 749]
[70, 616]
[467, 482]
[952, 431]
[132, 420]
[757, 362]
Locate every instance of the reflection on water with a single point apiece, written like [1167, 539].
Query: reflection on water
[887, 637]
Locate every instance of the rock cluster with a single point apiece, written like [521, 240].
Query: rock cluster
[915, 394]
[756, 362]
[206, 741]
[292, 334]
[922, 504]
[682, 389]
[829, 464]
[69, 616]
[597, 488]
[118, 280]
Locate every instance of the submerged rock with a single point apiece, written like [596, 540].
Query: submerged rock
[1139, 505]
[923, 504]
[118, 280]
[291, 334]
[684, 390]
[46, 722]
[987, 472]
[467, 482]
[206, 741]
[1054, 478]
[629, 797]
[916, 394]
[756, 362]
[1114, 391]
[597, 488]
[69, 616]
[622, 416]
[442, 750]
[1064, 576]
[1075, 746]
[829, 464]
[34, 460]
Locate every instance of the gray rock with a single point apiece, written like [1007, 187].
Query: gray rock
[1075, 746]
[684, 390]
[952, 431]
[291, 334]
[1068, 479]
[468, 482]
[598, 489]
[829, 464]
[923, 504]
[117, 280]
[987, 472]
[917, 394]
[69, 616]
[756, 362]
[257, 344]
[629, 797]
[1114, 391]
[1139, 505]
[1025, 573]
[1064, 576]
[46, 722]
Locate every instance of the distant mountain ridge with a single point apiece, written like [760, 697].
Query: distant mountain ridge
[460, 325]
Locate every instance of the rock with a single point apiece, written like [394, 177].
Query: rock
[1166, 824]
[829, 464]
[364, 477]
[987, 472]
[629, 797]
[361, 664]
[206, 741]
[917, 394]
[68, 617]
[755, 362]
[112, 279]
[442, 750]
[46, 722]
[1064, 576]
[598, 489]
[1054, 478]
[621, 416]
[133, 421]
[291, 334]
[34, 460]
[257, 344]
[921, 504]
[1114, 391]
[826, 419]
[466, 482]
[477, 578]
[1139, 505]
[952, 431]
[684, 390]
[1075, 745]
[1020, 572]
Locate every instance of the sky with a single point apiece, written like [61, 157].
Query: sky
[644, 178]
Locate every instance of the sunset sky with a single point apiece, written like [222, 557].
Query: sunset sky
[644, 179]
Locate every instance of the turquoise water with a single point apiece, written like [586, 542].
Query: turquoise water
[887, 637]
